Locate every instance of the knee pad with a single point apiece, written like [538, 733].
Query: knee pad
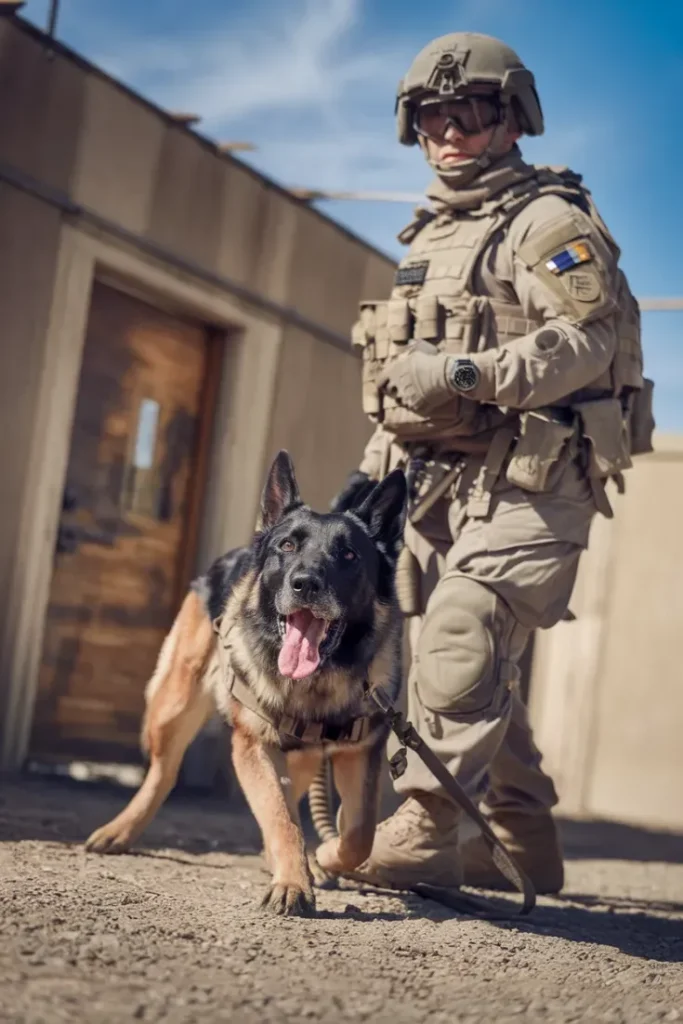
[460, 647]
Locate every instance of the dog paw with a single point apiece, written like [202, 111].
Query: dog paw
[328, 859]
[111, 838]
[321, 879]
[289, 901]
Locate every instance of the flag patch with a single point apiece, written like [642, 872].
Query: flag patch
[569, 257]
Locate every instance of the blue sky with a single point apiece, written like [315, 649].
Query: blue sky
[311, 83]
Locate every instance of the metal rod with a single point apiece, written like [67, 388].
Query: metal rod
[661, 305]
[373, 197]
[52, 18]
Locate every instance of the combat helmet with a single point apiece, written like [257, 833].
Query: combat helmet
[448, 66]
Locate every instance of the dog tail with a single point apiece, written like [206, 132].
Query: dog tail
[320, 803]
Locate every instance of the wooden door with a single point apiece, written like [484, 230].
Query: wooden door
[128, 522]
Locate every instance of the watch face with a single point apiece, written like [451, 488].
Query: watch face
[465, 376]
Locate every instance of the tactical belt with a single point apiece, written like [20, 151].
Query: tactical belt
[352, 731]
[479, 502]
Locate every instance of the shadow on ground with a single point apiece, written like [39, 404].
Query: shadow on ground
[191, 826]
[612, 840]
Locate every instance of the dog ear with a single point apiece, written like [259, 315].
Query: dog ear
[384, 511]
[356, 489]
[281, 491]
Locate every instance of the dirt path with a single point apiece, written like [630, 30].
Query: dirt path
[172, 933]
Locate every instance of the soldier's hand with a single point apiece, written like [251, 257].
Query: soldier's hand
[418, 379]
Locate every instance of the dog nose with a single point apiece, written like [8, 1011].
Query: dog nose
[305, 585]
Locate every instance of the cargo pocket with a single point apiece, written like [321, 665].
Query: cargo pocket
[542, 440]
[606, 436]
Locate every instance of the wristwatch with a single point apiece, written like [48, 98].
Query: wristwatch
[463, 375]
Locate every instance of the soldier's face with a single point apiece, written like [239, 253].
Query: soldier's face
[463, 129]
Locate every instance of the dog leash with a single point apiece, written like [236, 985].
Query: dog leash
[455, 899]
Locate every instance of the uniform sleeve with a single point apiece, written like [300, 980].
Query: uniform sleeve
[563, 273]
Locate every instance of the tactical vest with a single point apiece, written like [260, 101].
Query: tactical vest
[444, 310]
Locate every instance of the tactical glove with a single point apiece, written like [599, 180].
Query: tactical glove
[418, 380]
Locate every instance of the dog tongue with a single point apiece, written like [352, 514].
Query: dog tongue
[299, 654]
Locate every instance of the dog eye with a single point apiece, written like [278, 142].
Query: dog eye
[288, 545]
[349, 555]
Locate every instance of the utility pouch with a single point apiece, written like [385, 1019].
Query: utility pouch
[542, 439]
[605, 431]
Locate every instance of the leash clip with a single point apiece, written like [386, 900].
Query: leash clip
[398, 763]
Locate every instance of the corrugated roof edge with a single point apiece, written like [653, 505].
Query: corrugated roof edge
[53, 44]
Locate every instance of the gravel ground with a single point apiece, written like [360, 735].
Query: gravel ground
[173, 932]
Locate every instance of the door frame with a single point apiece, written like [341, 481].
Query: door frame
[242, 341]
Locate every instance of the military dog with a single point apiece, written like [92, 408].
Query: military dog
[287, 638]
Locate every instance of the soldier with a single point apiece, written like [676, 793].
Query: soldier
[504, 373]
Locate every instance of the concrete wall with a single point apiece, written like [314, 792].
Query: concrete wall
[607, 689]
[95, 182]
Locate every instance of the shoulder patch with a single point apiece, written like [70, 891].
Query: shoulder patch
[569, 257]
[574, 265]
[582, 287]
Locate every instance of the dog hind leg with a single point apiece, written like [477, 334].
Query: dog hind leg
[177, 709]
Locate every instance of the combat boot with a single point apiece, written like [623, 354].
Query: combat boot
[533, 842]
[418, 843]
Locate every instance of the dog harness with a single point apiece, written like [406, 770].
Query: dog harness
[287, 727]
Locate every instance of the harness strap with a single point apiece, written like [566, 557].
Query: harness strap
[432, 496]
[352, 731]
[408, 737]
[479, 502]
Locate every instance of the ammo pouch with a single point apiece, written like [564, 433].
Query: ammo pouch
[384, 332]
[543, 436]
[606, 436]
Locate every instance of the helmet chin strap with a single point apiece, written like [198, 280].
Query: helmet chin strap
[465, 172]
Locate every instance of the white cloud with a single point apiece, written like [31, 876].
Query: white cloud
[273, 60]
[305, 81]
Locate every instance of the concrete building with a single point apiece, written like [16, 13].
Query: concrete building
[169, 320]
[607, 689]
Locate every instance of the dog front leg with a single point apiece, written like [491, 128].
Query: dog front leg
[357, 777]
[291, 891]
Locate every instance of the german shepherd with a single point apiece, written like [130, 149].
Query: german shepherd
[308, 625]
